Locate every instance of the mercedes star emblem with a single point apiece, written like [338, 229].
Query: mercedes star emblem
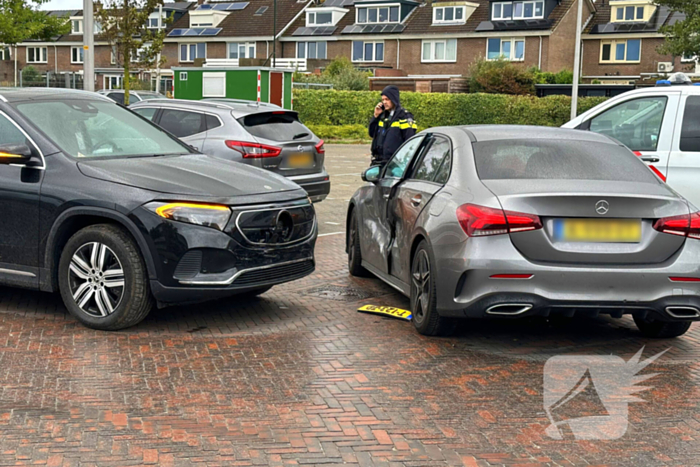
[602, 207]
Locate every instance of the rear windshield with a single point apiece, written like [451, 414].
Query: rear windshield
[558, 160]
[276, 126]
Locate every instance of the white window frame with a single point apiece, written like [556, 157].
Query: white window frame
[80, 54]
[310, 23]
[685, 59]
[374, 52]
[377, 7]
[432, 44]
[79, 19]
[513, 3]
[512, 41]
[43, 56]
[613, 51]
[154, 16]
[183, 76]
[247, 46]
[189, 59]
[5, 52]
[306, 50]
[218, 75]
[107, 79]
[454, 15]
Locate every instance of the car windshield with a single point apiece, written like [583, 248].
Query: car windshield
[558, 160]
[276, 126]
[94, 129]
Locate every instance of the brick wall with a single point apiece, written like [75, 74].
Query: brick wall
[561, 45]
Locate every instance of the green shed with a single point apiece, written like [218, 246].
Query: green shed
[260, 84]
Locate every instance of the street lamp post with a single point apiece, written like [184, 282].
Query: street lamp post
[88, 47]
[274, 33]
[577, 61]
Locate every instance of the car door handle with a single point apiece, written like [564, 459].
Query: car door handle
[416, 200]
[651, 159]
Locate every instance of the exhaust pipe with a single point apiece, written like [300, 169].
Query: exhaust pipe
[683, 312]
[509, 309]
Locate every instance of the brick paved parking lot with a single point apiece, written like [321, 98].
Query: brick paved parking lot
[298, 377]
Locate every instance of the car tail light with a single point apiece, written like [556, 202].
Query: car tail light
[480, 221]
[320, 148]
[684, 279]
[254, 150]
[684, 226]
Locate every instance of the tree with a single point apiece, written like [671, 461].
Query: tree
[125, 28]
[683, 37]
[21, 20]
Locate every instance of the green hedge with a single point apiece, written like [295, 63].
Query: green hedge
[326, 109]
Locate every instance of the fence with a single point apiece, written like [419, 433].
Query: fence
[30, 78]
[312, 86]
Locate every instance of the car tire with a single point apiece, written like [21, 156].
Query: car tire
[354, 251]
[661, 329]
[424, 294]
[103, 279]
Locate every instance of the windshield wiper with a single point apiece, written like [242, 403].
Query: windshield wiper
[300, 135]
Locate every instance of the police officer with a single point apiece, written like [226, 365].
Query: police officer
[390, 127]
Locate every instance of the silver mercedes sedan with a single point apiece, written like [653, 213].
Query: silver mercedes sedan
[515, 221]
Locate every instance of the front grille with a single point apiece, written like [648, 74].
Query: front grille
[276, 274]
[276, 226]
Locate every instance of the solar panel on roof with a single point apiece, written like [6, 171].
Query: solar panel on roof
[237, 6]
[210, 32]
[176, 32]
[261, 10]
[315, 31]
[204, 7]
[191, 32]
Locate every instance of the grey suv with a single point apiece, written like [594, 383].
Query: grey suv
[117, 95]
[258, 134]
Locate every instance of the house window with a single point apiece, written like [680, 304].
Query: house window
[381, 14]
[97, 27]
[76, 26]
[313, 50]
[439, 51]
[238, 50]
[76, 54]
[448, 14]
[112, 82]
[189, 52]
[631, 13]
[4, 53]
[508, 49]
[621, 51]
[318, 18]
[153, 21]
[367, 51]
[139, 55]
[533, 9]
[36, 55]
[183, 76]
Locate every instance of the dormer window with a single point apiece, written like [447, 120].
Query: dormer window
[532, 9]
[328, 16]
[153, 21]
[207, 18]
[453, 12]
[378, 14]
[76, 25]
[448, 14]
[629, 11]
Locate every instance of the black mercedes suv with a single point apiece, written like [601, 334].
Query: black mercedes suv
[117, 214]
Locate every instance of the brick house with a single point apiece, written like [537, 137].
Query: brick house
[620, 44]
[402, 38]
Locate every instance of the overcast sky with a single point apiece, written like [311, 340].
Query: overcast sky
[63, 5]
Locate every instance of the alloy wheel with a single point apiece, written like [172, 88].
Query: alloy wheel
[421, 282]
[96, 279]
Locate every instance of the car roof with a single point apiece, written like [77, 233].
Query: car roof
[480, 133]
[28, 94]
[240, 108]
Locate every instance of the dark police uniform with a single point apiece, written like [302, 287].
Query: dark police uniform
[389, 131]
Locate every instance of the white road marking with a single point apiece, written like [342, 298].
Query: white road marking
[332, 233]
[333, 223]
[345, 175]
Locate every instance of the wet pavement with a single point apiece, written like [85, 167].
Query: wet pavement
[298, 377]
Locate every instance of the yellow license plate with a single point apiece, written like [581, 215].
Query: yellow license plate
[598, 230]
[387, 311]
[301, 160]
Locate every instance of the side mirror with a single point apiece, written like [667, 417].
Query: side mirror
[371, 175]
[15, 154]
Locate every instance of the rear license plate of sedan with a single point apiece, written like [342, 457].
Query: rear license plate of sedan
[300, 160]
[598, 230]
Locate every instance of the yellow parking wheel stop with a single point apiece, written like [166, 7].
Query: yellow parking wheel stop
[387, 311]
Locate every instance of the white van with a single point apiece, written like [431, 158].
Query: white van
[661, 125]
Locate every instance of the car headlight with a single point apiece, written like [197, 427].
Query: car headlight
[208, 215]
